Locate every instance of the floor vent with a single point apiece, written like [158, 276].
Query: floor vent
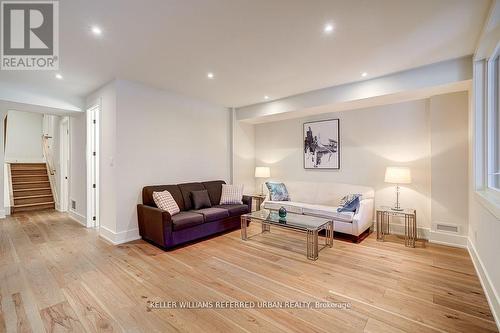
[447, 227]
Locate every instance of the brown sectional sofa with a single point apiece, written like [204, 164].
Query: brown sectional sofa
[160, 228]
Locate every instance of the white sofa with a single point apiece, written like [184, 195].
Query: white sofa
[322, 199]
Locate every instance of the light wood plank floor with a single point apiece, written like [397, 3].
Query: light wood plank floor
[57, 276]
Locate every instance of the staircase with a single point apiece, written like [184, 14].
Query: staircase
[30, 187]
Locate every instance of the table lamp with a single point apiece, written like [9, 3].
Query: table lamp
[262, 172]
[397, 175]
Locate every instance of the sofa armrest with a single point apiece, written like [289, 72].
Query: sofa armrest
[363, 219]
[247, 200]
[154, 224]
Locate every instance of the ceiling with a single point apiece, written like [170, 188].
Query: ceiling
[254, 47]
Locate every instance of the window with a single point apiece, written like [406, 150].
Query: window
[493, 127]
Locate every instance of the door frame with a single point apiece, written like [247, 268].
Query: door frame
[65, 158]
[93, 184]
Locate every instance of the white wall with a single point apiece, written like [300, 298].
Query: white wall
[244, 156]
[164, 138]
[371, 139]
[24, 137]
[484, 225]
[151, 136]
[106, 98]
[78, 173]
[374, 138]
[3, 113]
[449, 160]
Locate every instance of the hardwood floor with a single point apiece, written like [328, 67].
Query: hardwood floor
[57, 276]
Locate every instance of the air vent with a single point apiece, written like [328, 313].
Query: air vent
[447, 227]
[73, 204]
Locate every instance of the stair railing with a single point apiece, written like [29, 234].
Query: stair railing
[51, 170]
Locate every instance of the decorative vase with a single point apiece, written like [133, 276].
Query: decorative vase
[282, 212]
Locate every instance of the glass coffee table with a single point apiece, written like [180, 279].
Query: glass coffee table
[311, 225]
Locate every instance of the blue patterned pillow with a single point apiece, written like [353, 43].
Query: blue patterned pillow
[349, 203]
[277, 191]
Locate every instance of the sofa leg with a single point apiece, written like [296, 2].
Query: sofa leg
[355, 239]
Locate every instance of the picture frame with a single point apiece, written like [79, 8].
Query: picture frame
[322, 144]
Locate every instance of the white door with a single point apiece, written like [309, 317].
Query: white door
[93, 166]
[64, 160]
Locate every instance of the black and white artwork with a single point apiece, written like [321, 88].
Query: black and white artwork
[322, 144]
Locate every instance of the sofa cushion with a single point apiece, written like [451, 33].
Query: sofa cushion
[200, 199]
[290, 206]
[234, 210]
[231, 194]
[186, 190]
[277, 191]
[310, 209]
[212, 214]
[327, 212]
[147, 194]
[185, 220]
[165, 201]
[350, 203]
[214, 189]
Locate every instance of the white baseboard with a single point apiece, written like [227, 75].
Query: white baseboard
[399, 229]
[432, 236]
[450, 239]
[484, 278]
[121, 237]
[2, 213]
[7, 210]
[78, 217]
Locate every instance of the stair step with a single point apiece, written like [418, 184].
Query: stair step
[32, 191]
[27, 165]
[30, 175]
[32, 184]
[24, 179]
[33, 200]
[31, 207]
[34, 196]
[34, 204]
[28, 169]
[28, 172]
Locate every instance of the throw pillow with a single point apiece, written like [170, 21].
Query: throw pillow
[164, 200]
[231, 194]
[277, 192]
[349, 203]
[200, 199]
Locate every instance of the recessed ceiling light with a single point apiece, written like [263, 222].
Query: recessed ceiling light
[328, 28]
[266, 97]
[96, 30]
[210, 75]
[59, 76]
[364, 74]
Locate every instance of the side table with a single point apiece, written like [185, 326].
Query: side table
[259, 199]
[383, 218]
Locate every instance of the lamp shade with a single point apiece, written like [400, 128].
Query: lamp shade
[398, 175]
[262, 172]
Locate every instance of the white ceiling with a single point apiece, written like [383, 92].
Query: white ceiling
[254, 47]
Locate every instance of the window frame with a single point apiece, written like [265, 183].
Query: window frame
[484, 104]
[492, 101]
